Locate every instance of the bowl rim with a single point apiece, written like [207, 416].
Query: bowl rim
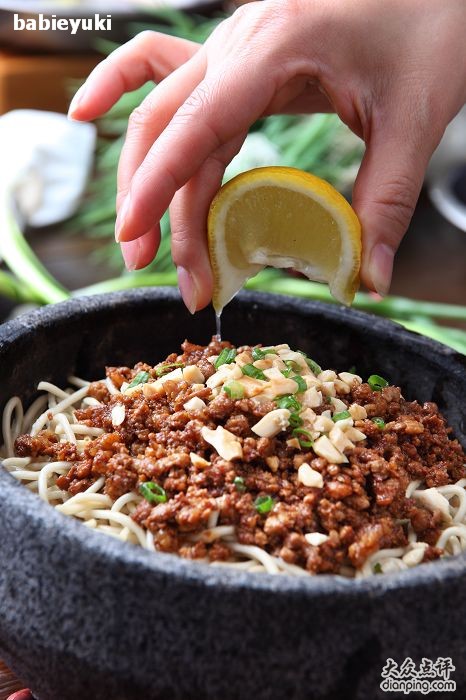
[144, 561]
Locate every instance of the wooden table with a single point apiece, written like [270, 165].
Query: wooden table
[40, 82]
[8, 682]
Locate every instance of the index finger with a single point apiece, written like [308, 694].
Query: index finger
[149, 56]
[219, 109]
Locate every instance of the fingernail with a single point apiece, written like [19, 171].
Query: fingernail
[188, 289]
[131, 251]
[381, 267]
[121, 216]
[77, 99]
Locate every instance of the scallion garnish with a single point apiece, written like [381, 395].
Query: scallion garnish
[295, 420]
[254, 372]
[304, 443]
[140, 378]
[234, 390]
[160, 371]
[302, 386]
[287, 372]
[288, 401]
[152, 492]
[376, 382]
[292, 364]
[313, 366]
[264, 504]
[239, 484]
[226, 357]
[260, 353]
[341, 416]
[377, 568]
[380, 423]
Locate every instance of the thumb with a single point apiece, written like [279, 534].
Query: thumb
[384, 197]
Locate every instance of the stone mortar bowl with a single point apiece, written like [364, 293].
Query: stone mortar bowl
[85, 617]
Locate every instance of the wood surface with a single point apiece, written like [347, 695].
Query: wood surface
[8, 682]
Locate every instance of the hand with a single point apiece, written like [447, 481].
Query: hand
[395, 73]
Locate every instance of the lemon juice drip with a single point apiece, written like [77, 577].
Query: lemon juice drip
[218, 325]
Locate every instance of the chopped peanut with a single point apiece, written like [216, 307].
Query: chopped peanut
[193, 375]
[324, 448]
[227, 445]
[198, 461]
[309, 476]
[272, 423]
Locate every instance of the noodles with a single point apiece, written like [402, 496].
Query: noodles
[56, 412]
[12, 423]
[64, 404]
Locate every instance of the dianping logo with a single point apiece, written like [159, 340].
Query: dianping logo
[61, 24]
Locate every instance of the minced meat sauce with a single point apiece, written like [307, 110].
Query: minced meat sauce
[204, 436]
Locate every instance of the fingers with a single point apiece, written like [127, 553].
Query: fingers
[152, 116]
[149, 56]
[188, 216]
[384, 197]
[139, 253]
[201, 125]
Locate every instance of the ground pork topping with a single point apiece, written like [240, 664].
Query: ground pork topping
[312, 466]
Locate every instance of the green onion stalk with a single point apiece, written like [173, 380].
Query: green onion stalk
[32, 281]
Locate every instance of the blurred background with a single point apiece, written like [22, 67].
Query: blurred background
[57, 181]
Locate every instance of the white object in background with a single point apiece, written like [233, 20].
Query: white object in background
[257, 151]
[446, 165]
[45, 163]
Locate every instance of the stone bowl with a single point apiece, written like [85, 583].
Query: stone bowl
[85, 617]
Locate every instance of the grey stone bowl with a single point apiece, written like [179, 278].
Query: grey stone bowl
[84, 617]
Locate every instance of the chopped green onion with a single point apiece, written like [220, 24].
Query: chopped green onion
[234, 390]
[380, 423]
[376, 382]
[341, 416]
[352, 369]
[264, 504]
[287, 372]
[159, 371]
[226, 357]
[239, 484]
[260, 353]
[377, 568]
[140, 378]
[295, 420]
[304, 443]
[251, 371]
[302, 386]
[292, 364]
[152, 492]
[313, 366]
[288, 401]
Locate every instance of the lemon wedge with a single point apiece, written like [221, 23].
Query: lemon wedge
[285, 218]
